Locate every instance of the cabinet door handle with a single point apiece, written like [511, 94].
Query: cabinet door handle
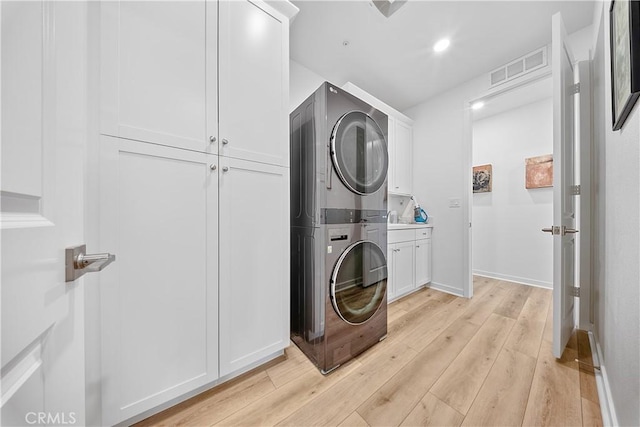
[417, 246]
[225, 169]
[213, 167]
[212, 139]
[225, 141]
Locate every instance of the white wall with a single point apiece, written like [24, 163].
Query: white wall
[438, 165]
[617, 242]
[506, 236]
[302, 83]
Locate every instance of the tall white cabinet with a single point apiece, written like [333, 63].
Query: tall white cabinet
[400, 156]
[194, 193]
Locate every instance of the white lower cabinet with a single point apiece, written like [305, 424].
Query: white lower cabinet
[159, 300]
[423, 262]
[402, 267]
[408, 260]
[254, 272]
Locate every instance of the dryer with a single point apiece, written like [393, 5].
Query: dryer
[339, 166]
[339, 157]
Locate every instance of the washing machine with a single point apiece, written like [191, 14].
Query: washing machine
[339, 291]
[339, 166]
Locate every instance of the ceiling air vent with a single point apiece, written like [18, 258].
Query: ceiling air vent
[519, 67]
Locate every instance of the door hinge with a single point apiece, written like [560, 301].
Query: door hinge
[575, 190]
[574, 89]
[574, 291]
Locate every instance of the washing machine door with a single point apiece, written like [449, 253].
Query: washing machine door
[359, 282]
[359, 152]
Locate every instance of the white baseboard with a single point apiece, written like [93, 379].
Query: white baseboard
[607, 409]
[515, 279]
[446, 288]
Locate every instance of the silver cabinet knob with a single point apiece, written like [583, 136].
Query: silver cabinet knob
[225, 169]
[225, 141]
[212, 139]
[213, 167]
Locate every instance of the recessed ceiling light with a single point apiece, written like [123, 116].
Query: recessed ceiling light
[477, 105]
[345, 43]
[441, 45]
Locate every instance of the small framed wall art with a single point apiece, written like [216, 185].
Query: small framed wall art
[624, 20]
[539, 172]
[482, 178]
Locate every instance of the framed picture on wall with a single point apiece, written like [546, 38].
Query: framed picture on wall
[482, 177]
[624, 20]
[538, 172]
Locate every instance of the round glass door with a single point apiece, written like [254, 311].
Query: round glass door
[359, 152]
[359, 282]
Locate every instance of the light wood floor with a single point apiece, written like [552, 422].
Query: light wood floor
[447, 361]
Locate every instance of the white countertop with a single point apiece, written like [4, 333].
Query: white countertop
[407, 226]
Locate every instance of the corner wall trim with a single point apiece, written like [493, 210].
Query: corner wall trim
[514, 279]
[607, 409]
[446, 288]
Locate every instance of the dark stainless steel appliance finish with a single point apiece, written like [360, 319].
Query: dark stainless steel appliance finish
[339, 167]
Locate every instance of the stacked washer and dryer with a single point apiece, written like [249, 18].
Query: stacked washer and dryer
[339, 163]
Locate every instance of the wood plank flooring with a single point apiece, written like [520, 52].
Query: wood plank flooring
[447, 361]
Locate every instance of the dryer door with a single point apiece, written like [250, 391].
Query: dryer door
[359, 282]
[359, 152]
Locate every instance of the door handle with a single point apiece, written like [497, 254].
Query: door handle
[225, 141]
[560, 230]
[78, 262]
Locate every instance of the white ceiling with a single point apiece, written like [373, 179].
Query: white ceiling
[392, 58]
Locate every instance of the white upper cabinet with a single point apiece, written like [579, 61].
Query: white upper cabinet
[391, 172]
[401, 145]
[254, 82]
[159, 72]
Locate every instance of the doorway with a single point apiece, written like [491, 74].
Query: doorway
[512, 196]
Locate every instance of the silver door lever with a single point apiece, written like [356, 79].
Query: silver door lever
[77, 262]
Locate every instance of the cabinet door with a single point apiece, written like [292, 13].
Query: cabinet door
[391, 282]
[254, 82]
[254, 262]
[159, 300]
[403, 158]
[403, 267]
[423, 261]
[391, 146]
[158, 68]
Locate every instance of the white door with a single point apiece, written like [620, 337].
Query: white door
[564, 203]
[43, 159]
[159, 212]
